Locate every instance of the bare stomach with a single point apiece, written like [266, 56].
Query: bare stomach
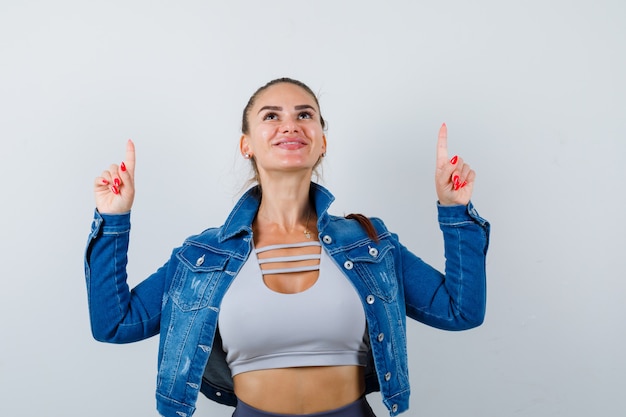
[303, 390]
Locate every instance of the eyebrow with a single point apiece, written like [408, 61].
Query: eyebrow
[278, 108]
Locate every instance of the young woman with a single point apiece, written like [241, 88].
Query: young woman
[285, 309]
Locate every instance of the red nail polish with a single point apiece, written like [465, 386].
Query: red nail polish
[464, 184]
[123, 167]
[104, 181]
[115, 189]
[116, 182]
[454, 159]
[456, 182]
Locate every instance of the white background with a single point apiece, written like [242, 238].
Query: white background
[533, 93]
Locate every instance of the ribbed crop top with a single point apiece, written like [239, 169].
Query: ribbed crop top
[321, 326]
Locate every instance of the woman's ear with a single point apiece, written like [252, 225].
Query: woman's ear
[244, 146]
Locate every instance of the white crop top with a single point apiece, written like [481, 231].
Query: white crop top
[321, 326]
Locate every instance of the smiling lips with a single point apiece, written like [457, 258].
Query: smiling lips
[290, 144]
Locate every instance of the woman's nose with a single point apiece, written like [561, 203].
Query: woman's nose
[289, 126]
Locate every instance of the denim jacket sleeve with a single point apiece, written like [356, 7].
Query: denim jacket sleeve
[118, 314]
[455, 300]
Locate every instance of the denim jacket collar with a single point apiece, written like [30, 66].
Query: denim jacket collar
[242, 215]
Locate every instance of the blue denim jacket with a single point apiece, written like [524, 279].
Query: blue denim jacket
[181, 300]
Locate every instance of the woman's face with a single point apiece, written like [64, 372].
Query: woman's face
[285, 132]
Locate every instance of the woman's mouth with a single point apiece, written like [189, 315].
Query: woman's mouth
[290, 144]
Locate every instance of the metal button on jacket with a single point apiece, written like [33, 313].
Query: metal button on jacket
[373, 252]
[200, 261]
[327, 239]
[370, 299]
[348, 265]
[381, 337]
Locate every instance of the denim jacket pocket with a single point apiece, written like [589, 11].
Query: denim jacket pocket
[374, 263]
[196, 277]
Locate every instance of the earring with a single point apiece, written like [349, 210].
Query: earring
[246, 155]
[323, 155]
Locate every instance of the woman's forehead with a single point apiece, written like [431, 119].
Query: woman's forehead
[285, 94]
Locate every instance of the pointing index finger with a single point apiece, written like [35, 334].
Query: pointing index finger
[130, 157]
[442, 144]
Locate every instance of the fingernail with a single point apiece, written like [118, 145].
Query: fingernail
[464, 184]
[123, 166]
[115, 189]
[456, 182]
[104, 181]
[116, 182]
[454, 159]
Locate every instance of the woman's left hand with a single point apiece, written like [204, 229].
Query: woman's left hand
[454, 179]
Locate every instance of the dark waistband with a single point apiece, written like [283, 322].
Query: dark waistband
[359, 408]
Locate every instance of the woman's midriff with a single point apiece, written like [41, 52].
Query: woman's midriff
[301, 390]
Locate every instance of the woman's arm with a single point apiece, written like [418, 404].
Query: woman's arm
[454, 300]
[117, 314]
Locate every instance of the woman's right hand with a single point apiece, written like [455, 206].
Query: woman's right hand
[115, 188]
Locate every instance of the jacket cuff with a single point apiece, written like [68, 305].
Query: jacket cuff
[451, 215]
[109, 223]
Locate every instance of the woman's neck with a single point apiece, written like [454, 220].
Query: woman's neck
[285, 204]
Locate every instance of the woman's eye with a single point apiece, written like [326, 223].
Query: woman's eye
[270, 116]
[305, 115]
